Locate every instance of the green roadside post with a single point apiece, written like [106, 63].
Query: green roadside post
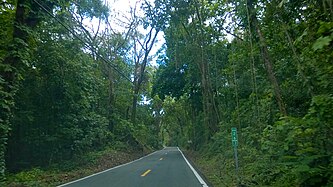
[234, 140]
[234, 137]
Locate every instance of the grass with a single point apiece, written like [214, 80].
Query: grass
[217, 170]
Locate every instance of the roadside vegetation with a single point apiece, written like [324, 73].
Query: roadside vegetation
[263, 67]
[70, 170]
[69, 92]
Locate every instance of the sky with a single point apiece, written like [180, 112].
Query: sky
[121, 5]
[120, 9]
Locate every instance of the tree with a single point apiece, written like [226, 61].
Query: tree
[16, 56]
[270, 80]
[141, 58]
[22, 60]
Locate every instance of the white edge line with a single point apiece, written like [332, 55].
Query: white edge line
[203, 183]
[107, 170]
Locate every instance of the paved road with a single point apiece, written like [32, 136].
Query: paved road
[165, 168]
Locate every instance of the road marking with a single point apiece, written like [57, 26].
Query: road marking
[203, 183]
[108, 169]
[145, 173]
[161, 158]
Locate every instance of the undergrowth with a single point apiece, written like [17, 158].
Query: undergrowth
[78, 167]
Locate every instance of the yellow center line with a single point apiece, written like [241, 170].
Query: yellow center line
[161, 158]
[145, 173]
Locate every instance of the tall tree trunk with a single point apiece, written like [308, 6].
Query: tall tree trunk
[111, 101]
[267, 59]
[136, 88]
[140, 68]
[17, 53]
[255, 100]
[211, 114]
[209, 107]
[269, 67]
[134, 103]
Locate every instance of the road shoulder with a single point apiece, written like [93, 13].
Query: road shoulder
[200, 176]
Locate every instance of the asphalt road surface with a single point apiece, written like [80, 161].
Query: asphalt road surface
[165, 168]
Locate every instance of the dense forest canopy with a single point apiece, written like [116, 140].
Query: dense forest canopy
[262, 66]
[67, 88]
[272, 80]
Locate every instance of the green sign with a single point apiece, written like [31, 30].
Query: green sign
[234, 138]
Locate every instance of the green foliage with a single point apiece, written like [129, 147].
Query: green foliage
[170, 81]
[322, 42]
[215, 75]
[62, 109]
[275, 148]
[67, 100]
[326, 32]
[92, 9]
[304, 157]
[27, 178]
[82, 165]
